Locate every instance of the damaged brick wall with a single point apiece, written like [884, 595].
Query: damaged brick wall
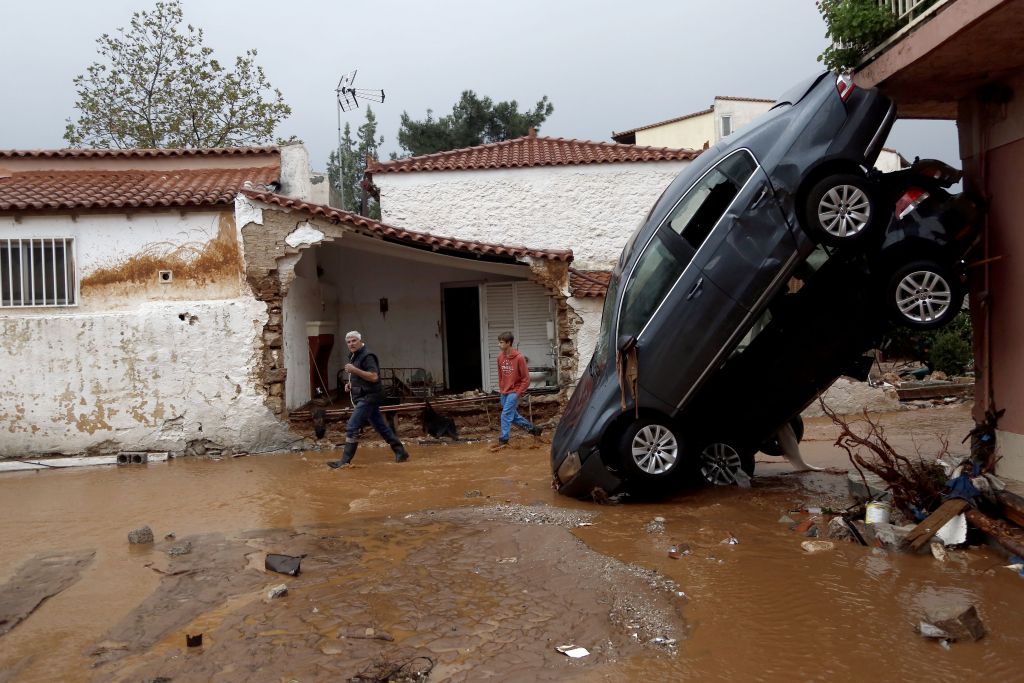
[553, 276]
[269, 264]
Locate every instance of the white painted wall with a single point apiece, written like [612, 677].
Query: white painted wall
[123, 370]
[589, 309]
[140, 379]
[590, 209]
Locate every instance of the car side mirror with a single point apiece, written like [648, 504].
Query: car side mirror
[626, 342]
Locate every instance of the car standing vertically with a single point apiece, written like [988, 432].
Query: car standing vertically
[699, 271]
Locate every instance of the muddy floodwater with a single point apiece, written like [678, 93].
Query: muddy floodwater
[464, 562]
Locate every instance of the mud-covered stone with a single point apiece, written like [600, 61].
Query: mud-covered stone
[140, 536]
[957, 621]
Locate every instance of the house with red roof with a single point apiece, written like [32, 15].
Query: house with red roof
[550, 193]
[188, 300]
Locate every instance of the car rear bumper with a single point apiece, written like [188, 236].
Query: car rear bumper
[592, 475]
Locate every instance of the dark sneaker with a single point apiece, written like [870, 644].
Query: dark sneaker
[402, 455]
[501, 444]
[536, 430]
[334, 464]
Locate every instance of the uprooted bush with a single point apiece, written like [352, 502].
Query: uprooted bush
[916, 484]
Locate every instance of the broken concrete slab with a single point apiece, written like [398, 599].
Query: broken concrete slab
[957, 622]
[39, 579]
[869, 487]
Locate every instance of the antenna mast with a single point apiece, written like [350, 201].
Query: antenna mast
[347, 97]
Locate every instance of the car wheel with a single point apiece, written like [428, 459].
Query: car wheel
[651, 450]
[841, 210]
[720, 462]
[924, 295]
[773, 447]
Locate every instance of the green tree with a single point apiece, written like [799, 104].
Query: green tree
[473, 121]
[854, 27]
[354, 155]
[156, 85]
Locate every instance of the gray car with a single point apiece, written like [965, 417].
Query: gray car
[698, 273]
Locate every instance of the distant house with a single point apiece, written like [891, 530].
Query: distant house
[550, 193]
[725, 116]
[188, 300]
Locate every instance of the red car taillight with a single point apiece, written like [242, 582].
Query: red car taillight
[845, 86]
[910, 200]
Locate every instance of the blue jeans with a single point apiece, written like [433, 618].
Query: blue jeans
[510, 416]
[367, 412]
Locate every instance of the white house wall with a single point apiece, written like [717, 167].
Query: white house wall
[135, 366]
[589, 310]
[591, 209]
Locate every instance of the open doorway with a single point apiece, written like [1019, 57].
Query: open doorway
[462, 338]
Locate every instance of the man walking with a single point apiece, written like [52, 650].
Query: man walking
[367, 394]
[513, 381]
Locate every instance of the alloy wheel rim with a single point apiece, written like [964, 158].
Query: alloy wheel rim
[655, 449]
[719, 463]
[844, 211]
[923, 296]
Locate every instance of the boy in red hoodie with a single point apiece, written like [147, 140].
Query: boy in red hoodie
[513, 381]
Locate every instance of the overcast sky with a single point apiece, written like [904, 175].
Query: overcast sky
[606, 66]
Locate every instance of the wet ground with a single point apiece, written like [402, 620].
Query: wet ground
[464, 562]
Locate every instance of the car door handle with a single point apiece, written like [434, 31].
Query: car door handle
[760, 198]
[696, 291]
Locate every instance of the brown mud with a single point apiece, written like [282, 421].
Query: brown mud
[466, 563]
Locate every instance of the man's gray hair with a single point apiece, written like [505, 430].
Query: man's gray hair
[353, 335]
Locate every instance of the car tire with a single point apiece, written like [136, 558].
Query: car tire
[841, 210]
[719, 463]
[651, 450]
[924, 295]
[773, 447]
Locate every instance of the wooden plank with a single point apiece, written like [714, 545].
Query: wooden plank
[1012, 507]
[923, 532]
[1006, 535]
[934, 391]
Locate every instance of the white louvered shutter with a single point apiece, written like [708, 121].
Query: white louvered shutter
[523, 308]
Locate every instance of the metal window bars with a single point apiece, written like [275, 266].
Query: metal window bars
[37, 272]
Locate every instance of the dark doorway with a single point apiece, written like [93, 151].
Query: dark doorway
[462, 338]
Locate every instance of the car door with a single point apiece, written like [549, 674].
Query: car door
[679, 316]
[752, 245]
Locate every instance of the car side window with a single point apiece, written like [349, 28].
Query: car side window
[654, 275]
[707, 200]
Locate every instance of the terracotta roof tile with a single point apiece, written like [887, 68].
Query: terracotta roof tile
[743, 99]
[532, 151]
[63, 190]
[132, 153]
[585, 283]
[419, 239]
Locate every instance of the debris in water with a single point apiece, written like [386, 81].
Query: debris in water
[573, 651]
[194, 641]
[283, 564]
[817, 546]
[278, 591]
[140, 536]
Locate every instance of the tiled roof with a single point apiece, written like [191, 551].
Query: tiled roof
[584, 283]
[132, 153]
[94, 189]
[530, 151]
[419, 239]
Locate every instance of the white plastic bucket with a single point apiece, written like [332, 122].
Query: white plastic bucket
[877, 513]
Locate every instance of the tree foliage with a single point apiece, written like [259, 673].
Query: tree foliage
[156, 85]
[473, 121]
[854, 27]
[355, 153]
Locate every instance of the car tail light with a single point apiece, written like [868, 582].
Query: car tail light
[910, 200]
[845, 86]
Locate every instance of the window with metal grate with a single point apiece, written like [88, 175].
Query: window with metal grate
[38, 272]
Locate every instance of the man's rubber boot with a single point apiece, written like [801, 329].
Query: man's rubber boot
[346, 456]
[401, 455]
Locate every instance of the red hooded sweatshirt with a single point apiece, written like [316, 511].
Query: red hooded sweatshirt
[513, 376]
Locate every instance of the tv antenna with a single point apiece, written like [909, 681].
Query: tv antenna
[348, 98]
